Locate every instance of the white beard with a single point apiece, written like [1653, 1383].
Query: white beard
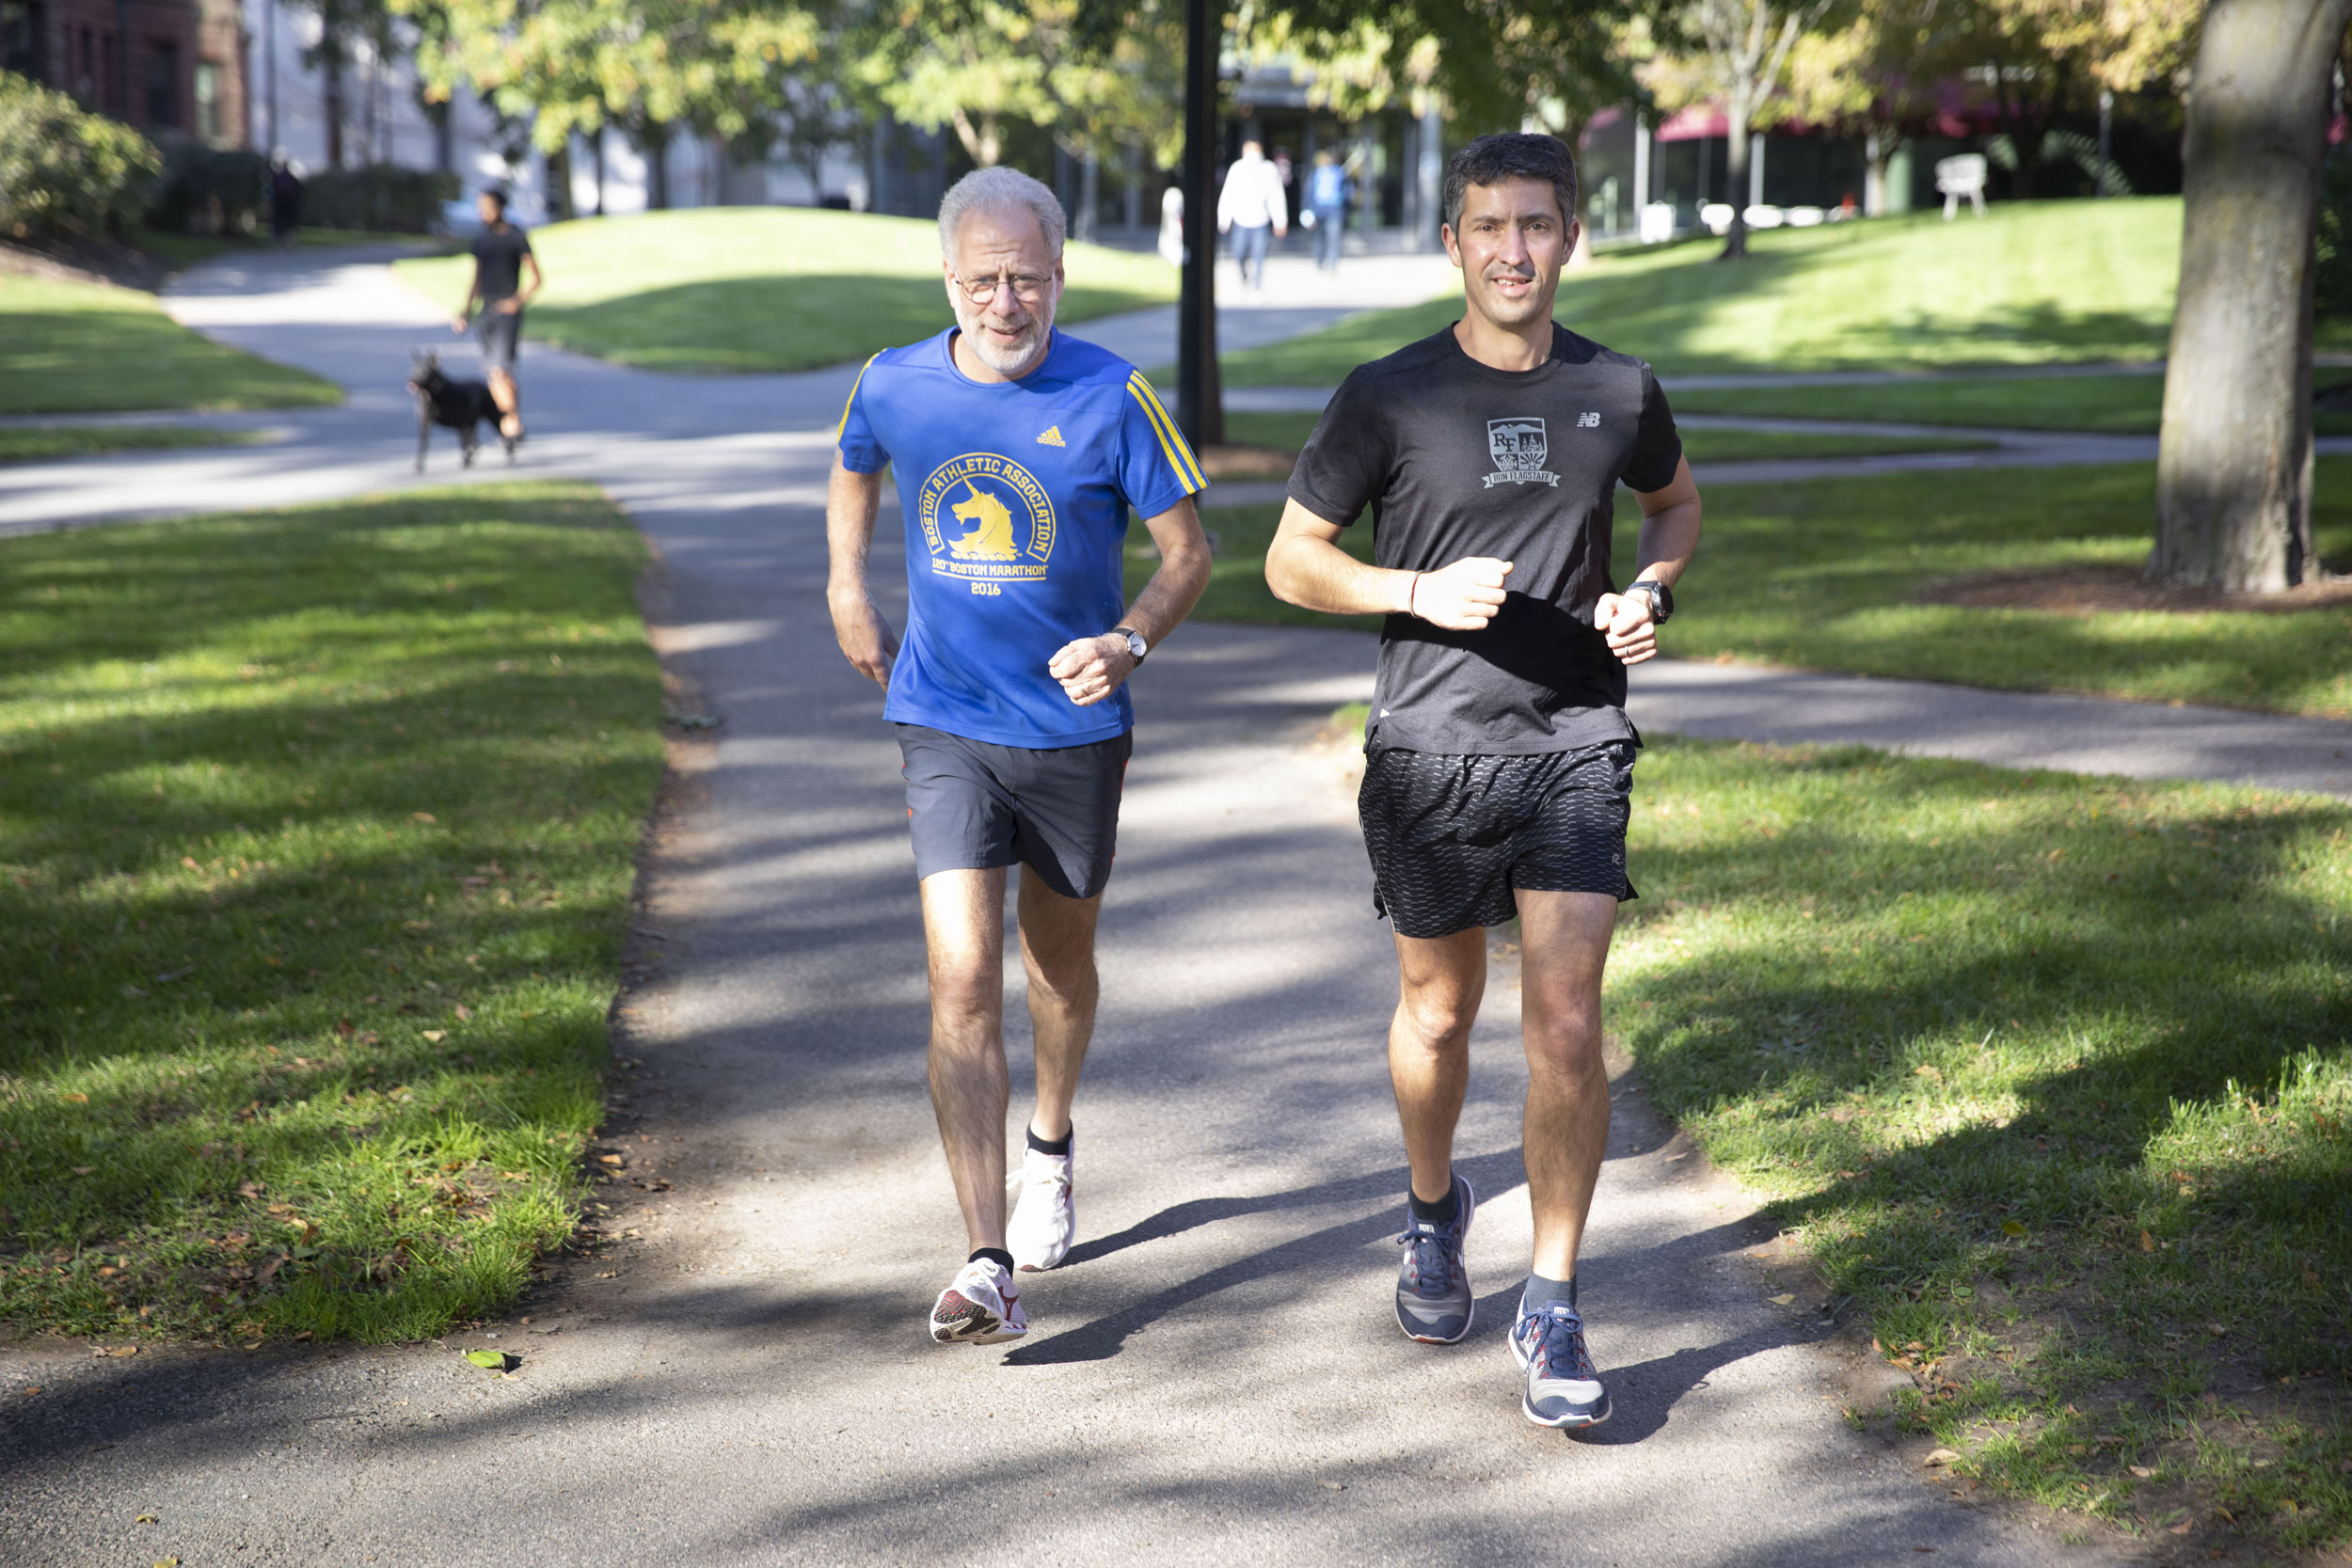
[1003, 361]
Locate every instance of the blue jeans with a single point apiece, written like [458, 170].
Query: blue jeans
[1330, 224]
[1249, 245]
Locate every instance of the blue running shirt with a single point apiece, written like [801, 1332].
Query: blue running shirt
[1016, 496]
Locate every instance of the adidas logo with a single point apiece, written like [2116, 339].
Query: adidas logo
[1051, 437]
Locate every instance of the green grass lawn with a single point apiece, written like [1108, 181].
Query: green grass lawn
[317, 837]
[47, 443]
[2051, 1076]
[762, 288]
[1824, 573]
[2123, 403]
[1289, 432]
[78, 348]
[2034, 281]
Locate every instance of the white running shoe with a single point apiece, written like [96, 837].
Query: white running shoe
[1045, 1221]
[980, 1306]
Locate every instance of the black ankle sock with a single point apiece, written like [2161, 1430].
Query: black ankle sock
[1439, 1213]
[1540, 1289]
[996, 1255]
[1058, 1147]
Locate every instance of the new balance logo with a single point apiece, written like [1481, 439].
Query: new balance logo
[1588, 421]
[1052, 437]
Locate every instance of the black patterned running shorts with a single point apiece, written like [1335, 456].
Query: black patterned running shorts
[1452, 837]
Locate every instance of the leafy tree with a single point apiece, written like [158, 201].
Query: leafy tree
[1095, 75]
[1735, 51]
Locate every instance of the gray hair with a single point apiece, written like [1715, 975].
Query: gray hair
[1000, 187]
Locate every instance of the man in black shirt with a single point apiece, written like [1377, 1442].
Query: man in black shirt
[1500, 760]
[501, 253]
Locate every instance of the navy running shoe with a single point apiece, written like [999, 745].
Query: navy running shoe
[1432, 1294]
[1562, 1386]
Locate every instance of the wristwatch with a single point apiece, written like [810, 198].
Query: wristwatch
[1661, 599]
[1136, 646]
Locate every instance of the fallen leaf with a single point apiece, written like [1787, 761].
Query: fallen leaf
[81, 1171]
[1934, 1073]
[462, 1011]
[115, 1351]
[1942, 1456]
[78, 1097]
[494, 1360]
[1334, 1485]
[2216, 1330]
[36, 1389]
[419, 817]
[437, 1035]
[2142, 1471]
[610, 1160]
[166, 1562]
[2011, 1228]
[1782, 1300]
[2147, 1242]
[2183, 1528]
[144, 1519]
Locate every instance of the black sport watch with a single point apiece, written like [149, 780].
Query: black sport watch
[1662, 598]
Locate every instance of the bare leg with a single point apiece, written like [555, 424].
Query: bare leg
[1057, 949]
[504, 393]
[1441, 982]
[963, 927]
[1565, 937]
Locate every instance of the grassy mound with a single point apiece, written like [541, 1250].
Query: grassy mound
[2032, 282]
[762, 288]
[81, 348]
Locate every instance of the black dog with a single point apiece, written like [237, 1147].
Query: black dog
[459, 404]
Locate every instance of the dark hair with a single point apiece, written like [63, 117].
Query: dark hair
[1511, 155]
[497, 193]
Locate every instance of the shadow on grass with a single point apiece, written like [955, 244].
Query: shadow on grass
[2082, 1037]
[316, 837]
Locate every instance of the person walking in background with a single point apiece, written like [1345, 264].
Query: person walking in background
[1327, 208]
[1172, 225]
[285, 202]
[1499, 764]
[1254, 209]
[502, 254]
[1019, 453]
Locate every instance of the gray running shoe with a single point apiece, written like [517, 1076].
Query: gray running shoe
[1563, 1386]
[1434, 1303]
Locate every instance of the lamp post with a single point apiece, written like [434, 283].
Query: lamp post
[1200, 399]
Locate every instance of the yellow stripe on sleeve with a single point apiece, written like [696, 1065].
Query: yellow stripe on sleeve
[850, 402]
[1171, 439]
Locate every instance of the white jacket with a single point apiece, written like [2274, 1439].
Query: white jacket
[1253, 195]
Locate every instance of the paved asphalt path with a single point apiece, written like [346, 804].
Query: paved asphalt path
[1213, 1377]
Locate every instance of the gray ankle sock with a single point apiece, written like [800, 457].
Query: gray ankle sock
[1540, 1291]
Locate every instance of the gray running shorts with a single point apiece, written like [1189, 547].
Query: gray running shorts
[1452, 837]
[976, 805]
[502, 337]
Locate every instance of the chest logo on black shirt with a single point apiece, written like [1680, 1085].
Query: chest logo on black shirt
[987, 520]
[1518, 449]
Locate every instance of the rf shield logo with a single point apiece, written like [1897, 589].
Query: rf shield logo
[1519, 448]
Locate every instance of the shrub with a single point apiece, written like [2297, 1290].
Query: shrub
[63, 171]
[209, 190]
[377, 196]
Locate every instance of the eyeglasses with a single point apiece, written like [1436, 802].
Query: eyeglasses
[1027, 287]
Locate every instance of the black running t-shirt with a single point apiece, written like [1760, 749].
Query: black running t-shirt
[498, 251]
[1456, 459]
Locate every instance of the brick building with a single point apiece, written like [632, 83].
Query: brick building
[181, 75]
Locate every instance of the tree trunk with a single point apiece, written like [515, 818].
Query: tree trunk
[1736, 173]
[655, 141]
[560, 183]
[2233, 476]
[331, 97]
